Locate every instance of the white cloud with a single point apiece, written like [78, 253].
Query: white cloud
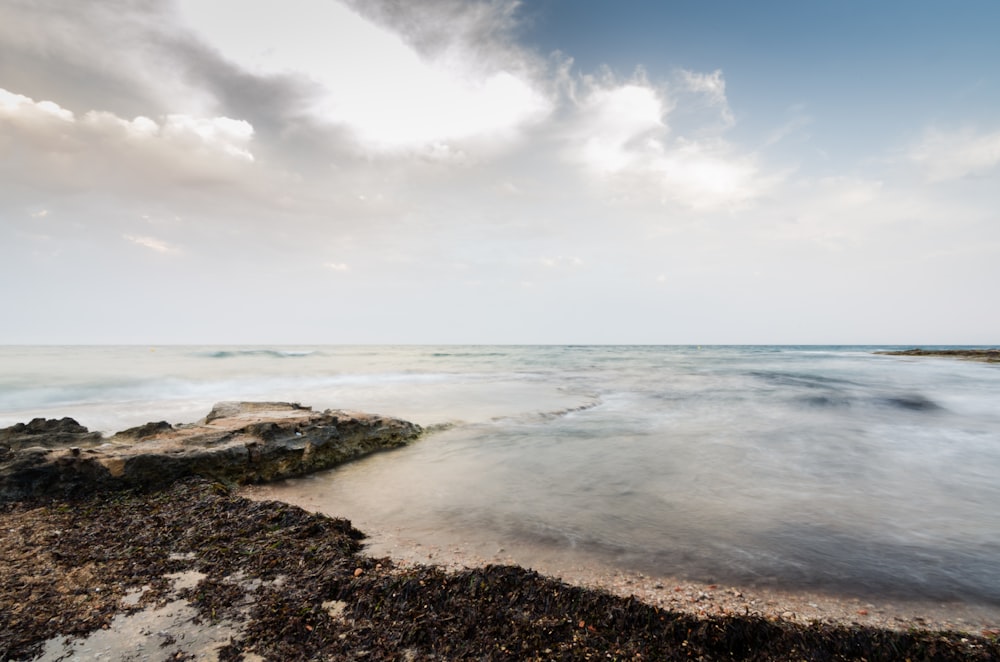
[219, 135]
[81, 150]
[846, 192]
[43, 126]
[368, 79]
[709, 175]
[152, 243]
[713, 88]
[621, 134]
[561, 262]
[19, 107]
[216, 133]
[944, 155]
[337, 266]
[617, 124]
[845, 213]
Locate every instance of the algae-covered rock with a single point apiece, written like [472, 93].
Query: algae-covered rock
[238, 442]
[986, 355]
[47, 433]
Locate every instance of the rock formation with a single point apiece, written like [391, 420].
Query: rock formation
[47, 433]
[238, 442]
[985, 355]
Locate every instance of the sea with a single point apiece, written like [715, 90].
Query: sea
[828, 467]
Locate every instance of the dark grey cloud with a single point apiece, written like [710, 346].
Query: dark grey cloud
[88, 54]
[135, 57]
[433, 26]
[285, 133]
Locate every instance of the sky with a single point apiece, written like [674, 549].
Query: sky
[494, 171]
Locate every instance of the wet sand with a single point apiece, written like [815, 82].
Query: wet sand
[698, 598]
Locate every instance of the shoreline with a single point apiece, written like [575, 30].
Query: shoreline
[697, 598]
[197, 572]
[194, 569]
[694, 597]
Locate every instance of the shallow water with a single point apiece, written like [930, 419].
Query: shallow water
[819, 466]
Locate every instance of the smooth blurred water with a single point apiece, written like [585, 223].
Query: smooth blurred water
[819, 466]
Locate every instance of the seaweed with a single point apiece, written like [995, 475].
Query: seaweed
[300, 588]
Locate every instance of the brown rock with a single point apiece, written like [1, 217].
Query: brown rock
[47, 433]
[987, 355]
[237, 443]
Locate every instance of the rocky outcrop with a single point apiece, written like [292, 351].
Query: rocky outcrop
[238, 442]
[48, 433]
[985, 355]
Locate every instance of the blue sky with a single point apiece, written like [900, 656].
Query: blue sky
[864, 70]
[256, 171]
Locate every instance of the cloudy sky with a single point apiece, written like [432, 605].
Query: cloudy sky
[491, 171]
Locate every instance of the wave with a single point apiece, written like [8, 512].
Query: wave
[468, 354]
[801, 379]
[539, 416]
[911, 402]
[274, 353]
[903, 401]
[559, 413]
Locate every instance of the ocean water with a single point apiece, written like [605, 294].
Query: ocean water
[826, 467]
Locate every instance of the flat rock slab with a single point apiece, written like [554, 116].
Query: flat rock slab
[238, 442]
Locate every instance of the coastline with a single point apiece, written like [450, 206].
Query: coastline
[683, 594]
[197, 572]
[677, 593]
[190, 568]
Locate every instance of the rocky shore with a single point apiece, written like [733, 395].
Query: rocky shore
[238, 442]
[985, 355]
[181, 567]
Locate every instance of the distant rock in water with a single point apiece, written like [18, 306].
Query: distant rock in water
[986, 355]
[238, 442]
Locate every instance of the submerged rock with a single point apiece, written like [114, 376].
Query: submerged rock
[238, 442]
